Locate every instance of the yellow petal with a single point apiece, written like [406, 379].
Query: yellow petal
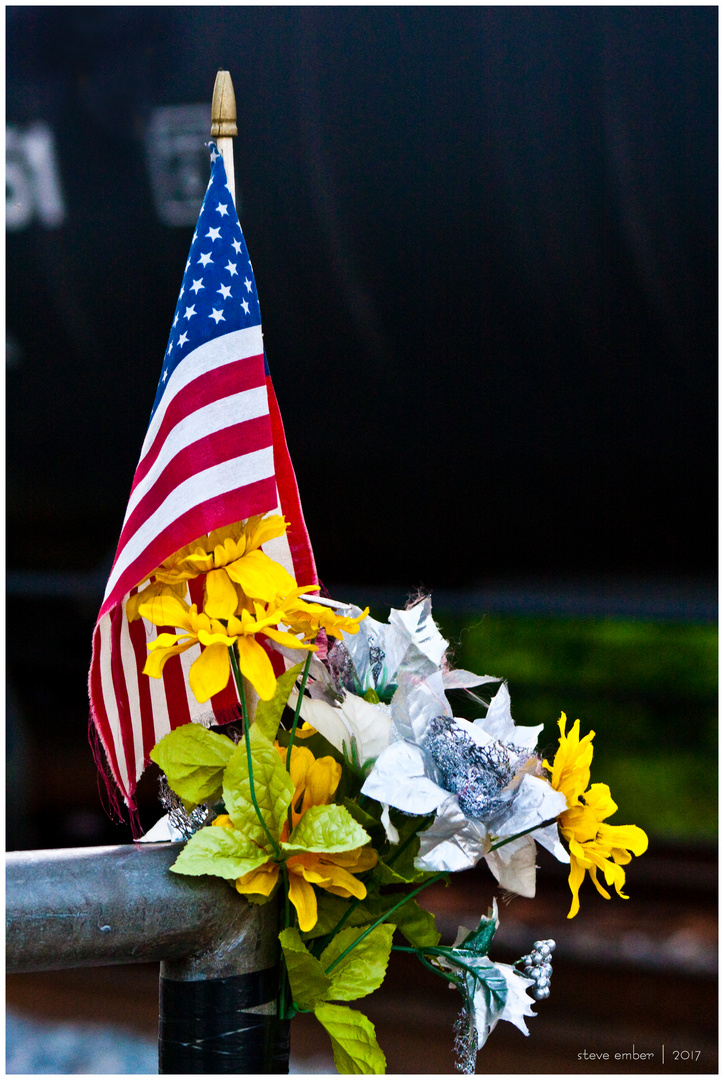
[163, 648]
[259, 576]
[301, 894]
[256, 666]
[168, 610]
[575, 880]
[258, 530]
[209, 673]
[598, 797]
[220, 599]
[260, 881]
[322, 781]
[223, 821]
[342, 883]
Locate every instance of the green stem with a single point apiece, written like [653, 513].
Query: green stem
[449, 976]
[402, 847]
[509, 839]
[247, 739]
[435, 951]
[302, 686]
[284, 978]
[322, 945]
[293, 732]
[384, 917]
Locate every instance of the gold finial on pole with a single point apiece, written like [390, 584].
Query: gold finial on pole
[223, 123]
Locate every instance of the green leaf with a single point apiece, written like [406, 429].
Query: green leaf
[225, 853]
[400, 860]
[193, 760]
[372, 696]
[326, 828]
[363, 968]
[273, 788]
[416, 924]
[269, 713]
[369, 823]
[307, 979]
[354, 1043]
[479, 940]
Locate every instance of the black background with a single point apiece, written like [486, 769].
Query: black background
[485, 246]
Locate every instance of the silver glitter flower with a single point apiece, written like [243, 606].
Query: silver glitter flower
[483, 781]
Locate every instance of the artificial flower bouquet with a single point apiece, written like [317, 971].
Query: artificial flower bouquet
[349, 788]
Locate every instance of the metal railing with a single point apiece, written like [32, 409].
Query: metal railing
[89, 907]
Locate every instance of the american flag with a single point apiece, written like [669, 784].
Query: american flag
[214, 454]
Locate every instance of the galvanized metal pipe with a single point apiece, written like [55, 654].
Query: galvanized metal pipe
[86, 907]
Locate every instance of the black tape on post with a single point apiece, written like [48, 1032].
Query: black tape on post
[221, 1026]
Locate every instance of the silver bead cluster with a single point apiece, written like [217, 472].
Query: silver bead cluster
[537, 966]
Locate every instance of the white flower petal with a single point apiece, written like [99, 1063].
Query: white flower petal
[517, 1004]
[404, 776]
[414, 704]
[390, 831]
[453, 842]
[513, 866]
[499, 723]
[535, 802]
[457, 678]
[355, 720]
[548, 838]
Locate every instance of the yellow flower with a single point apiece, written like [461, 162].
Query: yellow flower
[593, 845]
[308, 618]
[315, 782]
[333, 872]
[209, 673]
[233, 563]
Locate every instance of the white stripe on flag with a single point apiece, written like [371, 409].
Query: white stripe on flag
[130, 672]
[238, 345]
[235, 409]
[159, 704]
[197, 489]
[109, 699]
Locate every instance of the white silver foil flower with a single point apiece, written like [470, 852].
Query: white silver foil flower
[499, 992]
[355, 693]
[482, 781]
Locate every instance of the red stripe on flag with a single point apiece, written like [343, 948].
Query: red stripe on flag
[98, 709]
[117, 616]
[297, 535]
[234, 378]
[213, 449]
[174, 682]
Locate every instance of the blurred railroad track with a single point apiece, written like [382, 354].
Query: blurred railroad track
[634, 977]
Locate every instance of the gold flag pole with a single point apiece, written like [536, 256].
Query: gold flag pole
[223, 123]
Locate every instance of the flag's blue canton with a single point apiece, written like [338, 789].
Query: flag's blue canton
[218, 292]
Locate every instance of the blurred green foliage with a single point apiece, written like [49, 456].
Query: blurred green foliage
[648, 690]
